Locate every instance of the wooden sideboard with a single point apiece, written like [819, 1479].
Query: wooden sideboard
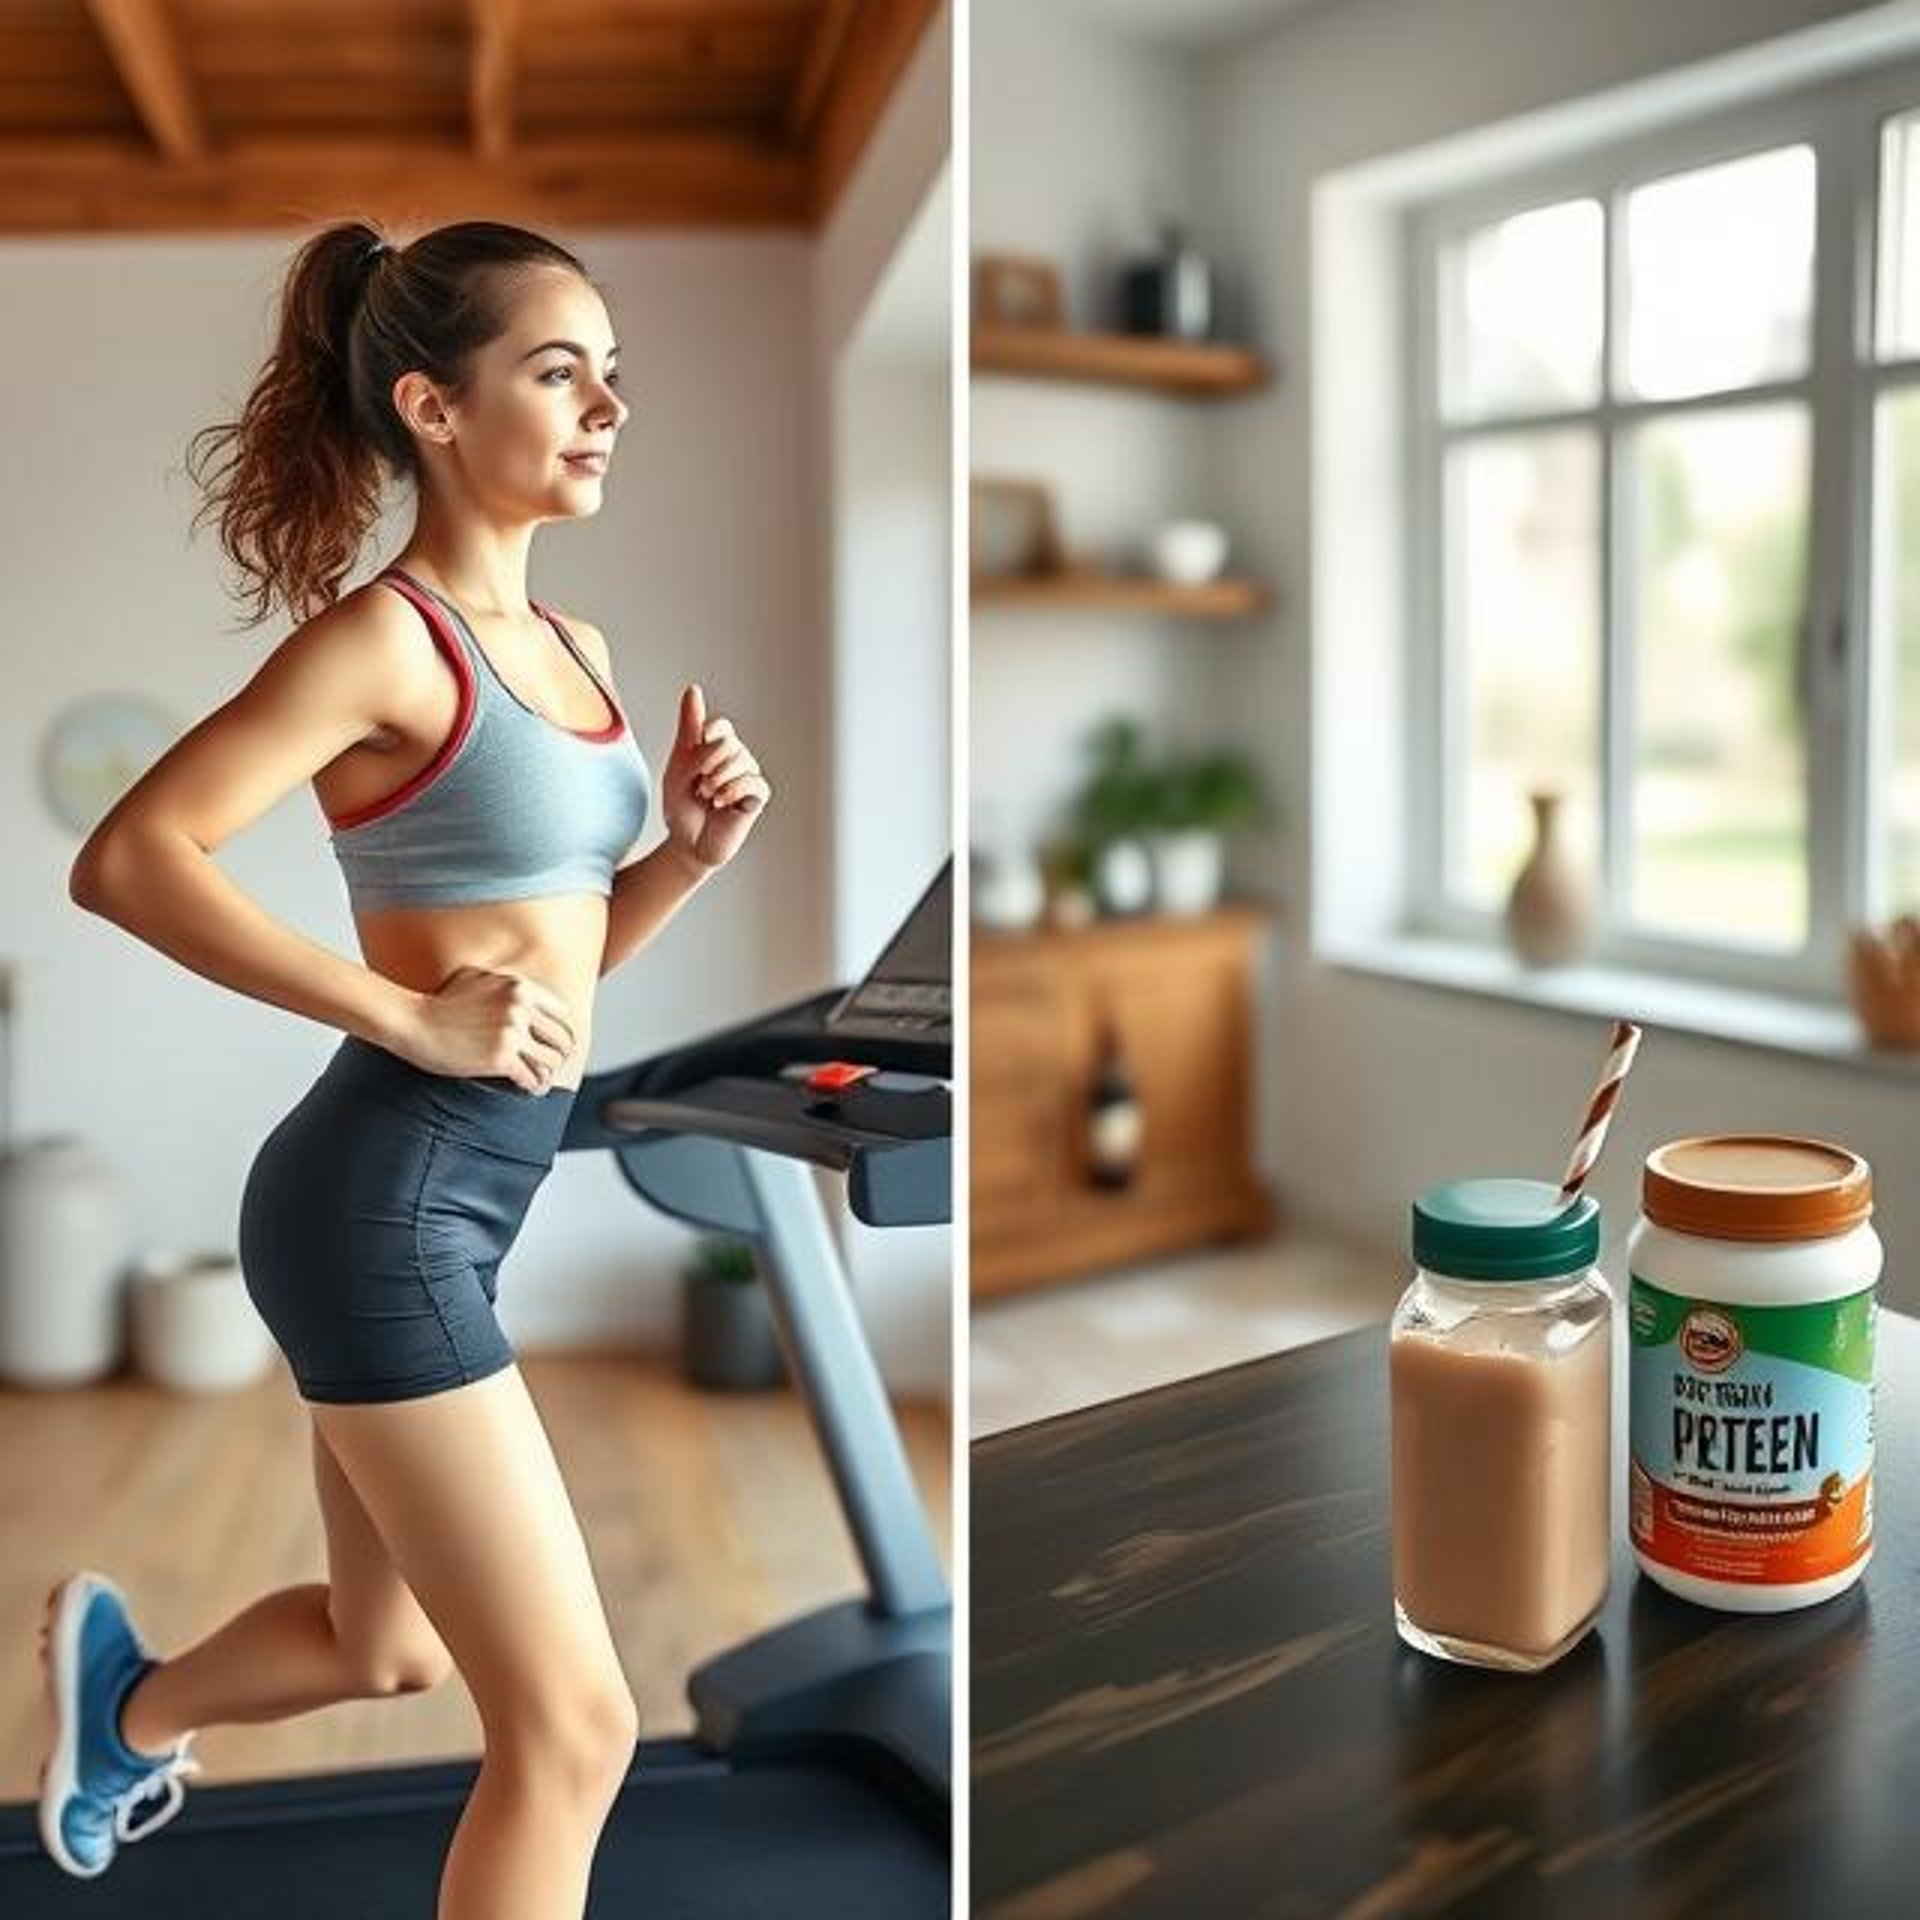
[1180, 996]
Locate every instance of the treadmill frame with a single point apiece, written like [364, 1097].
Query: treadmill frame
[877, 1670]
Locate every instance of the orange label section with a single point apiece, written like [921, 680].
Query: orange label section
[1775, 1544]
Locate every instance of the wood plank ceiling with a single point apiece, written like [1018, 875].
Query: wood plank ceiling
[202, 115]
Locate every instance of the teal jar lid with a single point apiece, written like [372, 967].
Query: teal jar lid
[1494, 1229]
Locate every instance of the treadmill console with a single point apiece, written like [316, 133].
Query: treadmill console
[854, 1079]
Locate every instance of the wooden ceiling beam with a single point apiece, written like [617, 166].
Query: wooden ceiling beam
[496, 30]
[816, 68]
[145, 50]
[772, 104]
[97, 186]
[880, 42]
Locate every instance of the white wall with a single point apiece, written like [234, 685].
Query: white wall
[882, 303]
[1083, 137]
[1372, 1088]
[111, 353]
[892, 458]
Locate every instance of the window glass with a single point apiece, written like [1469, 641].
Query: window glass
[1898, 277]
[1719, 764]
[1719, 276]
[1896, 801]
[1522, 313]
[1523, 551]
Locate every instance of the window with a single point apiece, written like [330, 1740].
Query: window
[1892, 745]
[1666, 490]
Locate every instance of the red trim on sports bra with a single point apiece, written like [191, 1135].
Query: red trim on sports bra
[618, 724]
[449, 644]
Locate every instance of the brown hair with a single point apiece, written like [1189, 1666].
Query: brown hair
[299, 484]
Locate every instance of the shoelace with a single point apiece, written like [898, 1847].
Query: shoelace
[166, 1778]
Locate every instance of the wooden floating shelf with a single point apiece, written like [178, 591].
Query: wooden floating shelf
[1121, 593]
[1195, 368]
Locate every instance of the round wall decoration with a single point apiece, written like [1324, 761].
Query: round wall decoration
[95, 748]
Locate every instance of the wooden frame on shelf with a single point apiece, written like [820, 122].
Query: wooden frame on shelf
[1016, 292]
[1012, 532]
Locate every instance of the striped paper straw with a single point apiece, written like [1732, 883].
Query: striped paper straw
[1606, 1096]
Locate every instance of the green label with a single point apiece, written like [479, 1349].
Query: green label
[1836, 1335]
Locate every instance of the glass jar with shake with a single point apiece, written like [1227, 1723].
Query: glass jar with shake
[1501, 1386]
[1501, 1371]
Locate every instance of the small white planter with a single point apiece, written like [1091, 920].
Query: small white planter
[1189, 868]
[194, 1327]
[1008, 890]
[1123, 877]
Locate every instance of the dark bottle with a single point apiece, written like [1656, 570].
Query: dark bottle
[1113, 1117]
[1169, 293]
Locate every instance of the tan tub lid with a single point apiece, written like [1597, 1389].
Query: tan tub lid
[1756, 1186]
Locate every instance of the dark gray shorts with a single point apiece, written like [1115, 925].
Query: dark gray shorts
[375, 1218]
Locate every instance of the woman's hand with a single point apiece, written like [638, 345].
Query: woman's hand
[479, 1022]
[712, 790]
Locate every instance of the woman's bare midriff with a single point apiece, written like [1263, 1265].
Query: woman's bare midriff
[557, 941]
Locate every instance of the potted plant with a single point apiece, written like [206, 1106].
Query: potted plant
[727, 1337]
[1203, 797]
[1115, 811]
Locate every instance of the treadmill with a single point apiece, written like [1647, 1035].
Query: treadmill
[817, 1777]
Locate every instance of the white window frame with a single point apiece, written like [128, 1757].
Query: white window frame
[1846, 748]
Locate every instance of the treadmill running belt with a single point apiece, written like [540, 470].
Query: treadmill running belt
[689, 1839]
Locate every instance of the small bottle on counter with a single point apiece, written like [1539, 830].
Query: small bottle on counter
[1750, 1473]
[1501, 1359]
[1113, 1117]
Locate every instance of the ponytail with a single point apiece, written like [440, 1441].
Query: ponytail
[296, 481]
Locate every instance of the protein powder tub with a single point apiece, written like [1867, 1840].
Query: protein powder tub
[1751, 1315]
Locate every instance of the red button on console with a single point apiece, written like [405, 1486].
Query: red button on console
[836, 1076]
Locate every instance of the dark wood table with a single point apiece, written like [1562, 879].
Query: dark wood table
[1189, 1699]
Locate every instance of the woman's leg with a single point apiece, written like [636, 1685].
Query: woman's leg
[360, 1635]
[463, 1488]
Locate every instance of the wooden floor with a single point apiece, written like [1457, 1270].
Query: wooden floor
[707, 1517]
[1063, 1347]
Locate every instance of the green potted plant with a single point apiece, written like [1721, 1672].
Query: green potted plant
[1204, 797]
[727, 1337]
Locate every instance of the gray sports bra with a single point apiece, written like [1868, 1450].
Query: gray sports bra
[512, 807]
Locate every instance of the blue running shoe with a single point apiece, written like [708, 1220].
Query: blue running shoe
[95, 1787]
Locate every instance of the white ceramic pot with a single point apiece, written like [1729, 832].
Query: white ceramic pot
[1188, 869]
[1188, 552]
[1123, 877]
[64, 1239]
[1009, 891]
[194, 1327]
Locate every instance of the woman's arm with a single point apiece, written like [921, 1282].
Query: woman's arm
[164, 888]
[149, 868]
[646, 895]
[708, 770]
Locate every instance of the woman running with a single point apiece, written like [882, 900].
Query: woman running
[483, 788]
